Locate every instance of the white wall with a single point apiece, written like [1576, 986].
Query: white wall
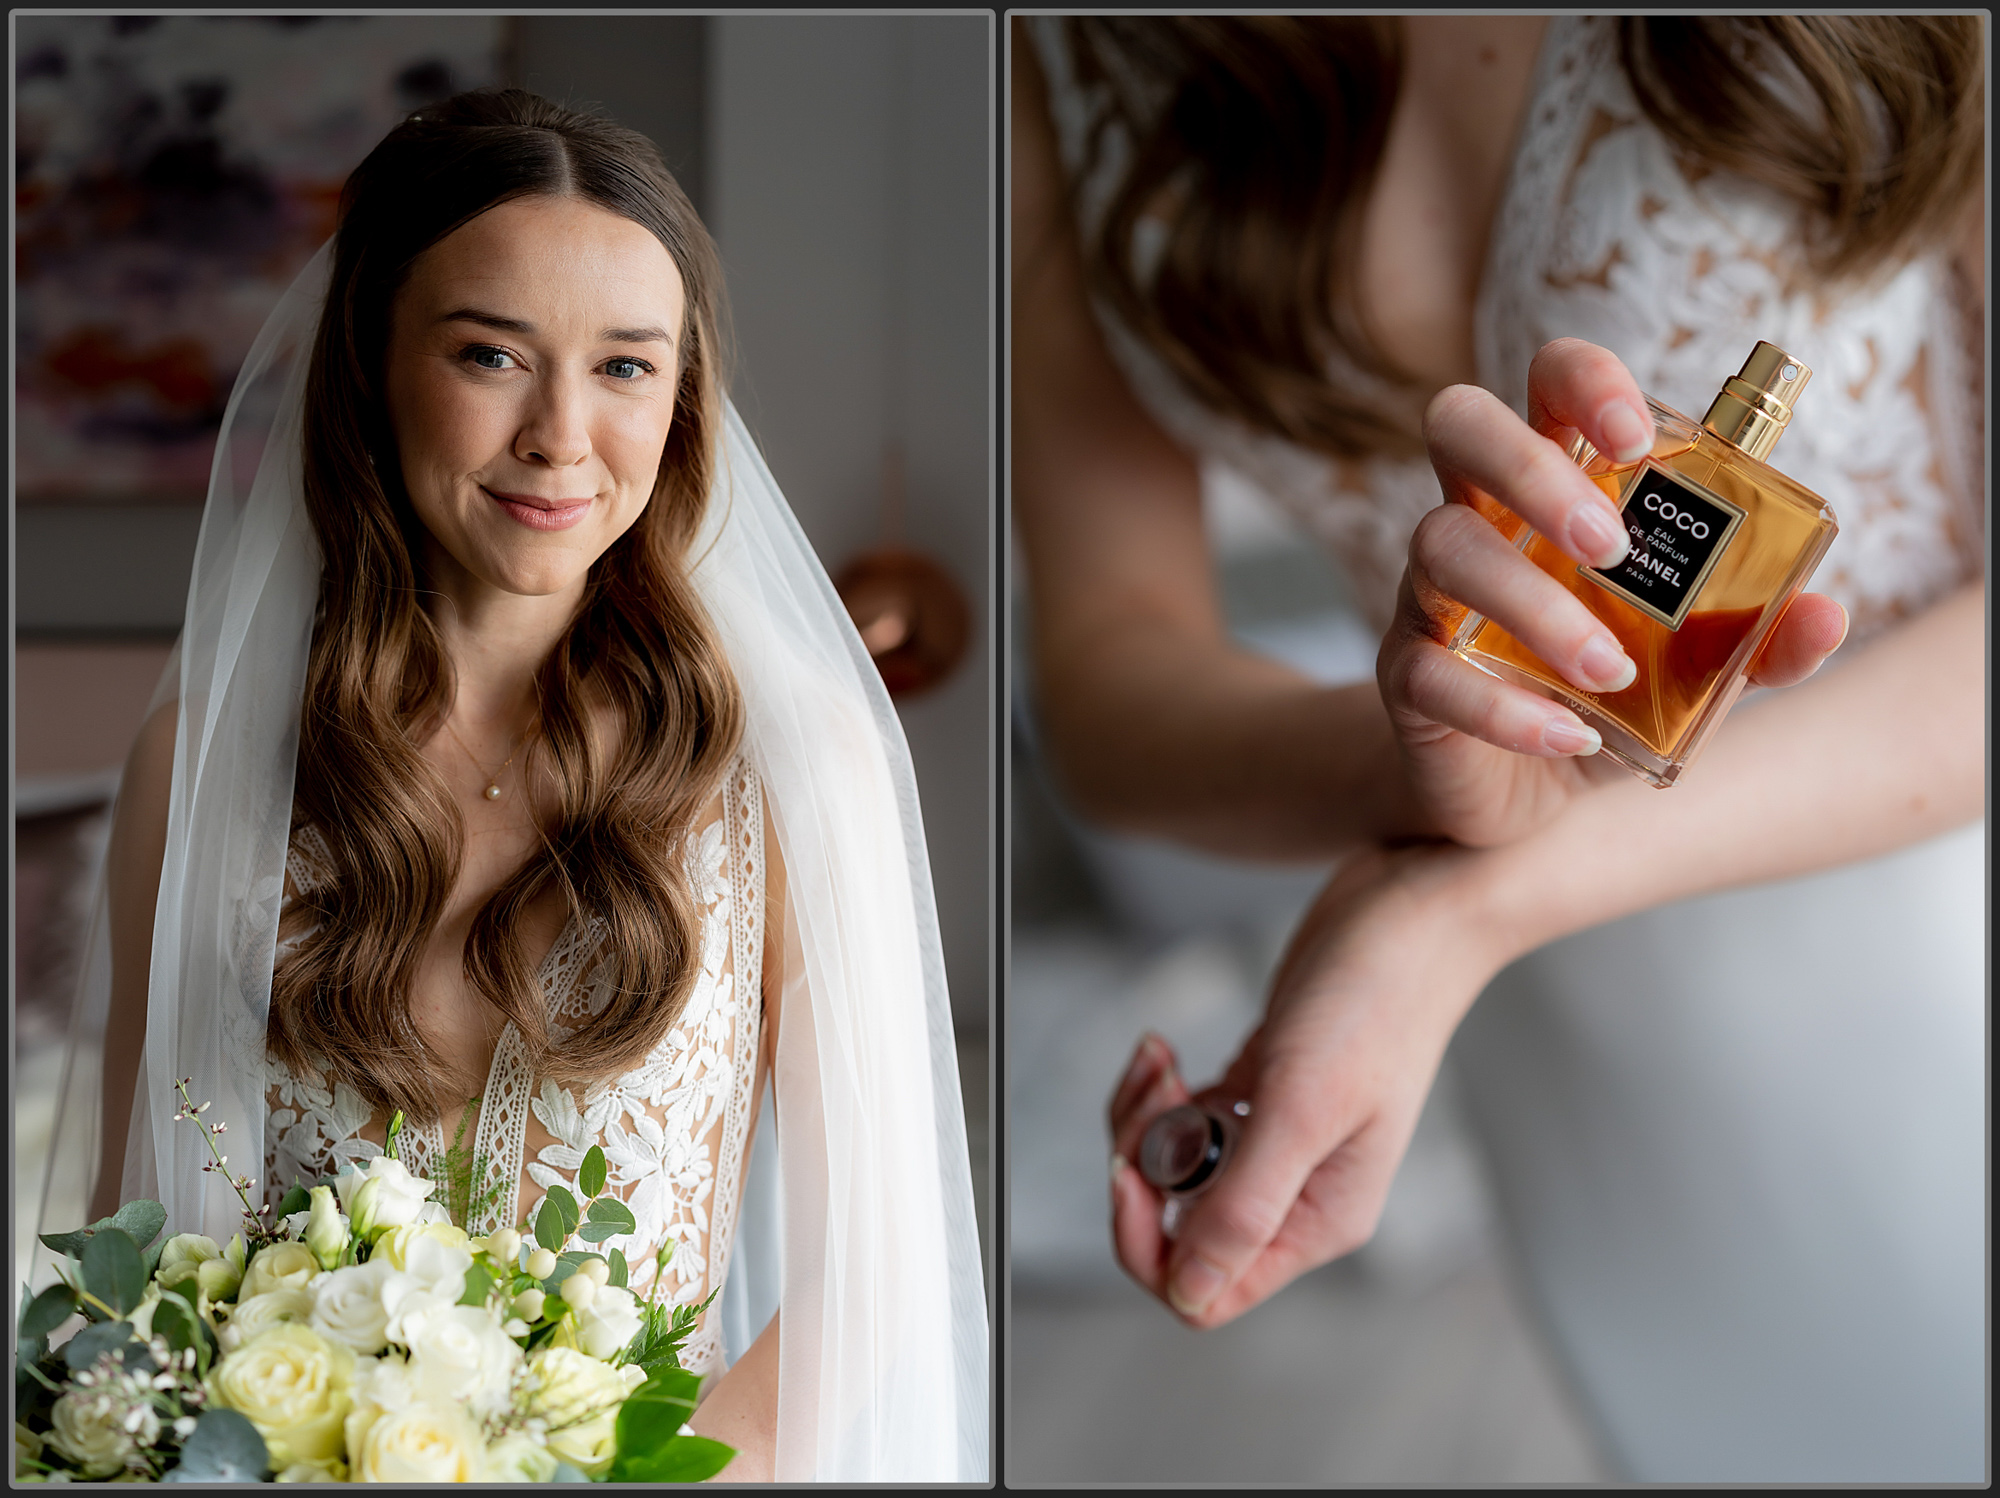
[808, 120]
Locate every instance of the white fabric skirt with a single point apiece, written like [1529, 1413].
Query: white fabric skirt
[1740, 1147]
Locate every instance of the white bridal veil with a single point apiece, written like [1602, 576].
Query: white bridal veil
[883, 1367]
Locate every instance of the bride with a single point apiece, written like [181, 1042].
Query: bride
[1728, 1076]
[519, 772]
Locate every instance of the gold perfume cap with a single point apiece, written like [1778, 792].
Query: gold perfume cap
[1756, 402]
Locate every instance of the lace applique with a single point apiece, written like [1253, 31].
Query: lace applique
[673, 1129]
[1603, 235]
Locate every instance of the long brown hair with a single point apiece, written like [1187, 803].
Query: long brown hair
[1253, 141]
[379, 682]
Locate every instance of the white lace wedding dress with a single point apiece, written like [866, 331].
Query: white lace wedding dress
[1739, 1141]
[674, 1130]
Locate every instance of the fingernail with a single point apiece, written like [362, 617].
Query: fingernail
[1846, 623]
[1599, 535]
[1629, 432]
[1566, 737]
[1195, 1285]
[1118, 1163]
[1609, 668]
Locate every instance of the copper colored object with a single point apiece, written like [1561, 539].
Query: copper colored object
[912, 616]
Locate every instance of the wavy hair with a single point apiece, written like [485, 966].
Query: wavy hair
[379, 681]
[1253, 141]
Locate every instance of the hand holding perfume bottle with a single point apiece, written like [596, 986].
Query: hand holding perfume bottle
[1521, 645]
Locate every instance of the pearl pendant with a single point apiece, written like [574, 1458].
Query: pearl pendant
[493, 793]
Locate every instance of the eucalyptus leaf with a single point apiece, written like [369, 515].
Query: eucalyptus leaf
[113, 1270]
[621, 1272]
[176, 1320]
[610, 1212]
[478, 1285]
[549, 1229]
[143, 1219]
[590, 1178]
[48, 1311]
[566, 1204]
[225, 1447]
[88, 1345]
[298, 1199]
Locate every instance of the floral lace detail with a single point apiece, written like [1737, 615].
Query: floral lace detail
[673, 1129]
[1604, 234]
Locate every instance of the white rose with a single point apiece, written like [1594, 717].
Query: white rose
[262, 1312]
[347, 1305]
[422, 1442]
[519, 1458]
[279, 1266]
[88, 1428]
[432, 1279]
[311, 1472]
[182, 1254]
[396, 1200]
[569, 1386]
[588, 1447]
[608, 1324]
[460, 1353]
[295, 1386]
[396, 1244]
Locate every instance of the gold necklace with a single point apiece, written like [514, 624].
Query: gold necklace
[493, 781]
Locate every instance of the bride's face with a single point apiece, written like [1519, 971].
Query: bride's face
[530, 376]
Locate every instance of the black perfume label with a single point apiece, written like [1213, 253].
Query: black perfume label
[1678, 533]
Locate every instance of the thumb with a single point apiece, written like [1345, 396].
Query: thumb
[1231, 1224]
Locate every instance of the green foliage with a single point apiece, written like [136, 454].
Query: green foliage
[665, 1330]
[142, 1220]
[90, 1344]
[113, 1270]
[621, 1272]
[39, 1317]
[478, 1285]
[650, 1445]
[224, 1447]
[470, 1184]
[608, 1218]
[590, 1178]
[298, 1199]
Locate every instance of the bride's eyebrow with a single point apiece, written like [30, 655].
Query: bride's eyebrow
[636, 335]
[488, 320]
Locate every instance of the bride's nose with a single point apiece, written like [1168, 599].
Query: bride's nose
[556, 430]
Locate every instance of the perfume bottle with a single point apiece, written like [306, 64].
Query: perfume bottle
[1184, 1152]
[1721, 544]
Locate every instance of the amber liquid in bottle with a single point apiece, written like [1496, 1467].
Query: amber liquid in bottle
[1690, 613]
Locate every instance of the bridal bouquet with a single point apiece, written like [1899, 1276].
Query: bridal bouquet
[357, 1335]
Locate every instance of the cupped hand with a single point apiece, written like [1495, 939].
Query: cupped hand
[1369, 992]
[1490, 760]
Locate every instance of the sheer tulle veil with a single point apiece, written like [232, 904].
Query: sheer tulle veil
[871, 1247]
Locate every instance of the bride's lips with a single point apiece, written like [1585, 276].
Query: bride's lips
[539, 513]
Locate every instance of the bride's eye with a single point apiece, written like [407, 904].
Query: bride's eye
[627, 369]
[486, 356]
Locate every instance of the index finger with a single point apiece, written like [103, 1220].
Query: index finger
[1577, 386]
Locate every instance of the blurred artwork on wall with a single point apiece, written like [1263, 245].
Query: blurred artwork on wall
[173, 173]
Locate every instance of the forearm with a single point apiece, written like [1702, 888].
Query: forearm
[1876, 753]
[740, 1409]
[1202, 742]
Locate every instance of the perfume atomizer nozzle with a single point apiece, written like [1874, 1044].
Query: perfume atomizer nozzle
[1184, 1152]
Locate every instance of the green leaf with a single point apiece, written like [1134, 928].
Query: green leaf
[225, 1447]
[649, 1426]
[143, 1219]
[88, 1345]
[609, 1212]
[549, 1229]
[478, 1285]
[113, 1270]
[590, 1179]
[175, 1319]
[566, 1204]
[47, 1311]
[686, 1459]
[621, 1272]
[298, 1199]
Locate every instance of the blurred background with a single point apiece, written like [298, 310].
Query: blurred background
[1411, 1361]
[173, 174]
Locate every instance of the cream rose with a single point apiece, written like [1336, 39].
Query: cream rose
[281, 1266]
[347, 1305]
[313, 1472]
[88, 1427]
[294, 1385]
[431, 1279]
[260, 1313]
[422, 1442]
[394, 1200]
[588, 1447]
[396, 1244]
[184, 1253]
[519, 1458]
[609, 1322]
[461, 1354]
[567, 1386]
